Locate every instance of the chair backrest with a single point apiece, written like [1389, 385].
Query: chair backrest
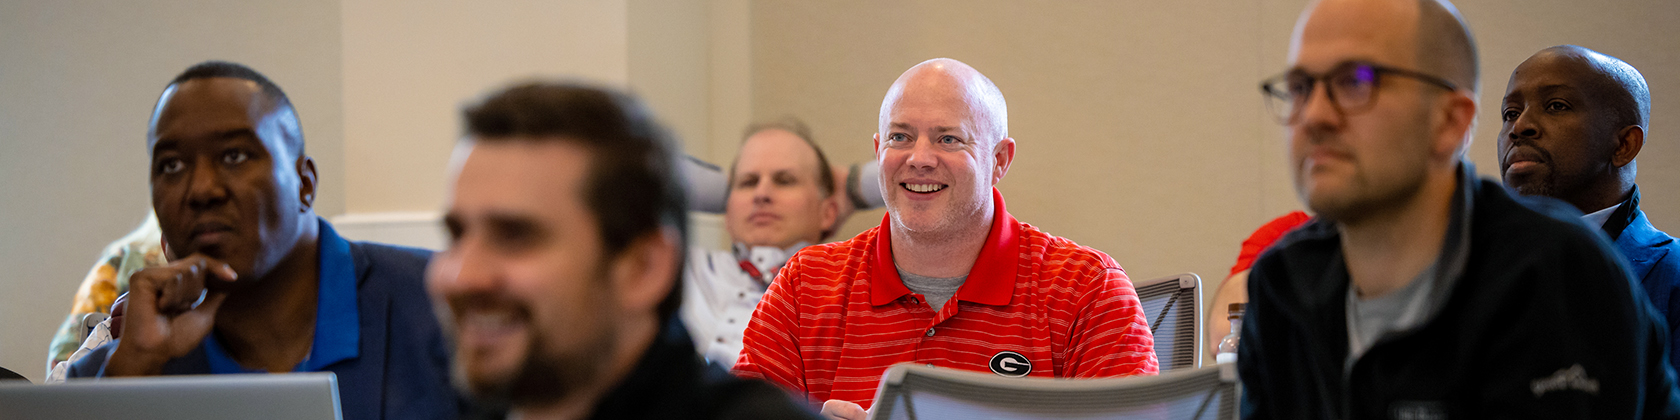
[917, 392]
[1173, 306]
[9, 375]
[89, 321]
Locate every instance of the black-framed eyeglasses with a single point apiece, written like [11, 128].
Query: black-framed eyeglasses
[1353, 88]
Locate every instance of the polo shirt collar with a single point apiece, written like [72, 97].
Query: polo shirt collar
[990, 282]
[337, 318]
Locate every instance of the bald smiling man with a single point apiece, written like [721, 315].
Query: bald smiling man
[1574, 121]
[1419, 291]
[949, 278]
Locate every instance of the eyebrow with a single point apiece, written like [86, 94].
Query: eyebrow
[511, 221]
[937, 129]
[1551, 88]
[243, 133]
[1297, 69]
[1546, 90]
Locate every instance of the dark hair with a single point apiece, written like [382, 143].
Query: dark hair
[213, 69]
[825, 174]
[631, 184]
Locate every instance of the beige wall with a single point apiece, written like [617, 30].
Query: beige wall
[1139, 125]
[1141, 131]
[409, 66]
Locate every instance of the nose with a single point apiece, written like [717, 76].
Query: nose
[761, 192]
[922, 155]
[207, 186]
[1524, 128]
[464, 268]
[1319, 111]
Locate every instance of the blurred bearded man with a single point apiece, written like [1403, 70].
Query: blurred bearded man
[567, 223]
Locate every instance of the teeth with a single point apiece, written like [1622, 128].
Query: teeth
[924, 188]
[487, 321]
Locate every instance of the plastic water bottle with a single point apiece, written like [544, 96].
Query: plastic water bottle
[1228, 345]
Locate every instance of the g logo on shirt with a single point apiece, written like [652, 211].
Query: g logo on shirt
[1011, 364]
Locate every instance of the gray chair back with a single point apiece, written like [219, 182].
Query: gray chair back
[918, 392]
[1173, 306]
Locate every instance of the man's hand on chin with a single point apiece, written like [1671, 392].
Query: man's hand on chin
[169, 311]
[843, 410]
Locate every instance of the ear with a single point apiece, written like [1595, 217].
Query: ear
[1458, 120]
[877, 138]
[1628, 143]
[830, 214]
[1004, 153]
[646, 271]
[307, 178]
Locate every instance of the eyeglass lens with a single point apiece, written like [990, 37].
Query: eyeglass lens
[1350, 87]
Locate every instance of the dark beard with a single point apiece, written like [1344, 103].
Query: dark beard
[547, 376]
[544, 379]
[1546, 186]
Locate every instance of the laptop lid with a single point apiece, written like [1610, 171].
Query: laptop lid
[291, 396]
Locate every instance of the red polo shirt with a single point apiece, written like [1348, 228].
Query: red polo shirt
[837, 315]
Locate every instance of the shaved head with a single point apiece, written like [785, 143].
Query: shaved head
[947, 76]
[1445, 46]
[1440, 40]
[1573, 123]
[1615, 80]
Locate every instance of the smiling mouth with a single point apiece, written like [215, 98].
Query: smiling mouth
[482, 323]
[923, 188]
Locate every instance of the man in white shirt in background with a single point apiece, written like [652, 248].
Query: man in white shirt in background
[780, 199]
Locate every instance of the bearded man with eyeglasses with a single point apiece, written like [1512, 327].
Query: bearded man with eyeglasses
[1421, 291]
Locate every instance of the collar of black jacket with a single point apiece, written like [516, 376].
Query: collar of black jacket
[1623, 216]
[1315, 250]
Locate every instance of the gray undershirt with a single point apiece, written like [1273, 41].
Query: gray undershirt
[936, 290]
[1369, 320]
[1373, 318]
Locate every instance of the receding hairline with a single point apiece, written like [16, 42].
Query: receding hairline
[823, 174]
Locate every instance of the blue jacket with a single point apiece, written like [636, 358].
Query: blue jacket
[1654, 259]
[402, 367]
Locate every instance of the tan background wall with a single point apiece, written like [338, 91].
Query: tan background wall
[1141, 130]
[409, 66]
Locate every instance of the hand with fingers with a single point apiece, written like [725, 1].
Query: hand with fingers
[843, 410]
[118, 308]
[170, 310]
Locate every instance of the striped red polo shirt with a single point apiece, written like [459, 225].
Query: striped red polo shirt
[837, 315]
